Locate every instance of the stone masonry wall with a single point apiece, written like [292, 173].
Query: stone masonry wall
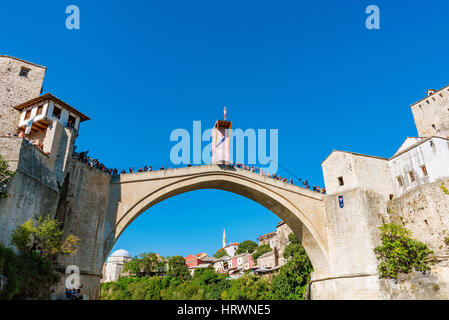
[432, 114]
[32, 190]
[83, 210]
[15, 89]
[80, 201]
[424, 211]
[353, 235]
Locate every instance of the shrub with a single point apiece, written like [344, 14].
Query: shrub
[31, 273]
[5, 176]
[246, 246]
[399, 253]
[292, 280]
[220, 253]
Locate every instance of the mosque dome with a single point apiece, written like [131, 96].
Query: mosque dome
[121, 253]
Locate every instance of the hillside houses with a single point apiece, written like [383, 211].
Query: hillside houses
[237, 265]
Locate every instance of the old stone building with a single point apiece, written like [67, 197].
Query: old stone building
[431, 114]
[277, 240]
[113, 268]
[405, 188]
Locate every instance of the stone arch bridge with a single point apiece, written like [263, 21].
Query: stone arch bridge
[97, 208]
[338, 241]
[302, 209]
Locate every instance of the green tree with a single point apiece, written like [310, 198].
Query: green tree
[31, 273]
[247, 287]
[5, 176]
[260, 251]
[133, 266]
[177, 268]
[399, 253]
[246, 246]
[292, 280]
[213, 283]
[22, 236]
[220, 253]
[149, 263]
[146, 264]
[49, 236]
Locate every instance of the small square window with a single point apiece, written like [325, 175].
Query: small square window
[56, 112]
[28, 114]
[400, 182]
[340, 181]
[24, 72]
[71, 122]
[40, 109]
[412, 176]
[391, 197]
[424, 171]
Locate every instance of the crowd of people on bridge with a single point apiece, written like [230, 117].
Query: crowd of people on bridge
[278, 177]
[95, 163]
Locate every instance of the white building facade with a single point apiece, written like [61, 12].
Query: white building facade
[419, 160]
[113, 268]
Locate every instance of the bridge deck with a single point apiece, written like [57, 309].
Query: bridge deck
[213, 169]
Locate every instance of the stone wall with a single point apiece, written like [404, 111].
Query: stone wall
[424, 211]
[432, 114]
[82, 209]
[15, 89]
[66, 189]
[32, 191]
[353, 234]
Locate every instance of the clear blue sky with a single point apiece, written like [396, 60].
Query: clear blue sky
[311, 69]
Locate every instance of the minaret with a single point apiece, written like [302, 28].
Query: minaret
[224, 238]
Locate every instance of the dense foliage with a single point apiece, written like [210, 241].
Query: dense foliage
[292, 280]
[28, 275]
[177, 268]
[5, 176]
[32, 272]
[399, 253]
[290, 283]
[220, 253]
[246, 246]
[206, 284]
[146, 264]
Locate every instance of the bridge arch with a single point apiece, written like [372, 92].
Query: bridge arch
[301, 209]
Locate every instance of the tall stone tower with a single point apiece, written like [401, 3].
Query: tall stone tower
[20, 81]
[224, 238]
[221, 141]
[431, 114]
